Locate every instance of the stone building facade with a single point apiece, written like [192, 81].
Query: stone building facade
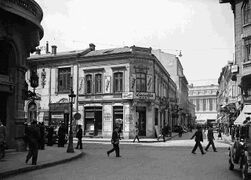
[113, 87]
[205, 100]
[20, 33]
[173, 65]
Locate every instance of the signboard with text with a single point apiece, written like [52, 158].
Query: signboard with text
[144, 95]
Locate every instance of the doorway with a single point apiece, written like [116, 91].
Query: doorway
[141, 111]
[93, 121]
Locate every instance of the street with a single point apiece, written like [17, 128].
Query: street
[141, 162]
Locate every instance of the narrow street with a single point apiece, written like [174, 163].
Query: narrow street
[141, 162]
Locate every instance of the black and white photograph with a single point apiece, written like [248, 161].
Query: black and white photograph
[125, 90]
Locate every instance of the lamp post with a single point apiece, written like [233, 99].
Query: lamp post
[70, 148]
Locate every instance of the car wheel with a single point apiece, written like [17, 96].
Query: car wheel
[231, 165]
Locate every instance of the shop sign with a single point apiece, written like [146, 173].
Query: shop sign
[144, 95]
[127, 95]
[57, 116]
[234, 69]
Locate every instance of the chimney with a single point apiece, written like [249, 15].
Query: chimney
[38, 51]
[47, 47]
[92, 47]
[54, 50]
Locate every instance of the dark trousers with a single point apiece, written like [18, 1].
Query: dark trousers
[116, 149]
[79, 144]
[198, 144]
[211, 142]
[136, 137]
[33, 153]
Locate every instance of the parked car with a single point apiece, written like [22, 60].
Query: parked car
[240, 151]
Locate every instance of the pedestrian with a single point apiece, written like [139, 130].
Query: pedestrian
[115, 142]
[42, 133]
[61, 136]
[50, 136]
[136, 132]
[33, 134]
[79, 136]
[25, 138]
[210, 138]
[180, 130]
[198, 138]
[2, 138]
[165, 132]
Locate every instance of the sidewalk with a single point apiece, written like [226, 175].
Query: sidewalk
[14, 162]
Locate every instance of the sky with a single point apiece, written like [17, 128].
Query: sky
[203, 30]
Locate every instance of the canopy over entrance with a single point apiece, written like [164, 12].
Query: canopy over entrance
[246, 112]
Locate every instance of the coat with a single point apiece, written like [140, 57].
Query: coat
[198, 136]
[115, 137]
[79, 134]
[210, 134]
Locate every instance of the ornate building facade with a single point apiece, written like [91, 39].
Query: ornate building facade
[113, 87]
[20, 33]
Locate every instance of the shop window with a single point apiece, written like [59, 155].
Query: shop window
[98, 83]
[64, 80]
[118, 82]
[141, 82]
[88, 83]
[247, 13]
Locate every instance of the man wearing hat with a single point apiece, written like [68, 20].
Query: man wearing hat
[115, 142]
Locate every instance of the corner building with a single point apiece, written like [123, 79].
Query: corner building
[112, 86]
[20, 33]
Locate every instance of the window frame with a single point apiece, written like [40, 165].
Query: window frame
[142, 87]
[120, 80]
[246, 13]
[64, 80]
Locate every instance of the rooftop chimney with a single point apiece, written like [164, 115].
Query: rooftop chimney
[54, 50]
[47, 47]
[92, 46]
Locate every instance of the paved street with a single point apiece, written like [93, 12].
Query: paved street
[141, 161]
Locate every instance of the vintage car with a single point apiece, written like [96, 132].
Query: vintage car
[240, 150]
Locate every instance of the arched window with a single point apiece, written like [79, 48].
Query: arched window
[88, 83]
[247, 13]
[98, 83]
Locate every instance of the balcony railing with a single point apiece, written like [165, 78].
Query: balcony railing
[27, 9]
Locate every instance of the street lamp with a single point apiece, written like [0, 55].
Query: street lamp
[70, 148]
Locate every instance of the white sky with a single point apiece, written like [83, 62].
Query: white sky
[201, 29]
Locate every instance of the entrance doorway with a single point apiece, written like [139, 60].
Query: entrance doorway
[3, 107]
[93, 121]
[141, 111]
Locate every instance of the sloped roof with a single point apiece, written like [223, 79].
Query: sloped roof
[109, 51]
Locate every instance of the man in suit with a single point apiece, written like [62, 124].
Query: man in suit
[198, 138]
[33, 134]
[115, 142]
[210, 137]
[79, 136]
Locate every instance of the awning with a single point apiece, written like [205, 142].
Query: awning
[246, 112]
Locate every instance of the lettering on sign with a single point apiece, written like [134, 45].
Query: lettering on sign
[144, 95]
[127, 95]
[107, 117]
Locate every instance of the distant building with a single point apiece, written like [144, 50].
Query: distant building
[173, 65]
[113, 87]
[205, 99]
[20, 33]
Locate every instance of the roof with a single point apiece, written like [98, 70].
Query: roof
[109, 51]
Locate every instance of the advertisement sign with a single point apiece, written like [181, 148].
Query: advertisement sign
[144, 95]
[127, 95]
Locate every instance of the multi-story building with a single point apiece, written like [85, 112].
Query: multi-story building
[173, 65]
[113, 87]
[20, 33]
[204, 98]
[242, 35]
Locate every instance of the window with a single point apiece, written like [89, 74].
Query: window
[210, 104]
[197, 104]
[118, 82]
[247, 49]
[98, 83]
[247, 13]
[141, 82]
[204, 104]
[88, 83]
[64, 80]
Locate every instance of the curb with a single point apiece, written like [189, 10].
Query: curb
[40, 166]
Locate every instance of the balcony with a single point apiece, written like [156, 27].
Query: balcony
[27, 9]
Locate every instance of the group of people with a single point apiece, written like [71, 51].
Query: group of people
[198, 135]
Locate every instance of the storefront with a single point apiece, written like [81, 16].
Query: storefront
[93, 121]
